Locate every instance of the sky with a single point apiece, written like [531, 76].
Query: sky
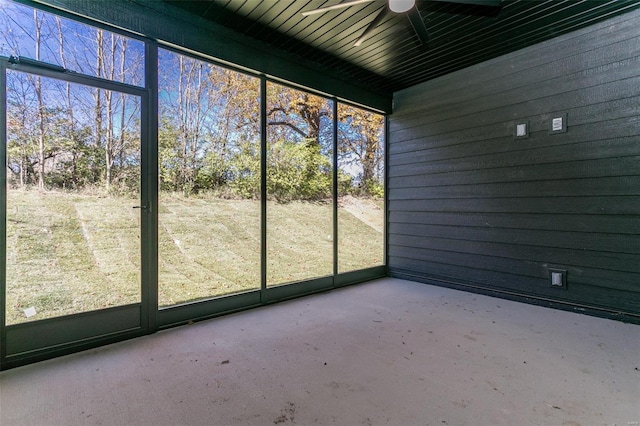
[17, 38]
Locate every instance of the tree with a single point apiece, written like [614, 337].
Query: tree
[206, 112]
[360, 146]
[41, 111]
[235, 120]
[210, 120]
[300, 112]
[298, 117]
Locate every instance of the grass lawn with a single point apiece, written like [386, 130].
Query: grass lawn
[69, 253]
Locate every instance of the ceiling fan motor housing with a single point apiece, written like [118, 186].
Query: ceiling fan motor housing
[400, 6]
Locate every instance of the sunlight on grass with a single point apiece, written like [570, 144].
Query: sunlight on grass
[208, 247]
[360, 233]
[299, 241]
[71, 253]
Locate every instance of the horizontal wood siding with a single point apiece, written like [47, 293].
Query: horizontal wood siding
[470, 205]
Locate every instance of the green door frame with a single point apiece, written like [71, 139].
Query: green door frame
[36, 340]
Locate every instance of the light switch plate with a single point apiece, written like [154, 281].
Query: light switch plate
[521, 130]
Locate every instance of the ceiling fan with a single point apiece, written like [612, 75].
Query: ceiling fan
[401, 6]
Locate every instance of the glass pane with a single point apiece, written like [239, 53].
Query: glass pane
[360, 189]
[209, 156]
[32, 33]
[73, 176]
[299, 182]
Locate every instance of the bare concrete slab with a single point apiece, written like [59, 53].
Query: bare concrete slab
[388, 352]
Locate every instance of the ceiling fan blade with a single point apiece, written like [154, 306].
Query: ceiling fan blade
[418, 25]
[335, 7]
[372, 26]
[488, 3]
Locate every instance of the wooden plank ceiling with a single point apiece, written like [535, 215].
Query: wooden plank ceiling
[392, 58]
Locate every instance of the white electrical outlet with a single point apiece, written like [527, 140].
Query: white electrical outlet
[521, 130]
[558, 277]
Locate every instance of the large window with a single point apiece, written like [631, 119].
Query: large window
[120, 219]
[72, 169]
[299, 185]
[73, 176]
[360, 188]
[209, 180]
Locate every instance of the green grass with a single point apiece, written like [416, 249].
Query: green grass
[70, 253]
[299, 242]
[208, 247]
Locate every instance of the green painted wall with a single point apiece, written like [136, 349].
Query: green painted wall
[473, 207]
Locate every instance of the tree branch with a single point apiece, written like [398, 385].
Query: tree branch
[284, 123]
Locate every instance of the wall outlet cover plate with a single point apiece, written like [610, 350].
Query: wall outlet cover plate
[558, 124]
[521, 130]
[558, 278]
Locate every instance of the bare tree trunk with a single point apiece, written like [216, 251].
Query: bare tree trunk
[98, 92]
[70, 118]
[123, 99]
[183, 126]
[196, 124]
[41, 110]
[108, 141]
[369, 161]
[23, 170]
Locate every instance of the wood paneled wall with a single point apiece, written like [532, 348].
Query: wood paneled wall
[471, 206]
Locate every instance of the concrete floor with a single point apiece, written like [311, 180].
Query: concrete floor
[388, 352]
